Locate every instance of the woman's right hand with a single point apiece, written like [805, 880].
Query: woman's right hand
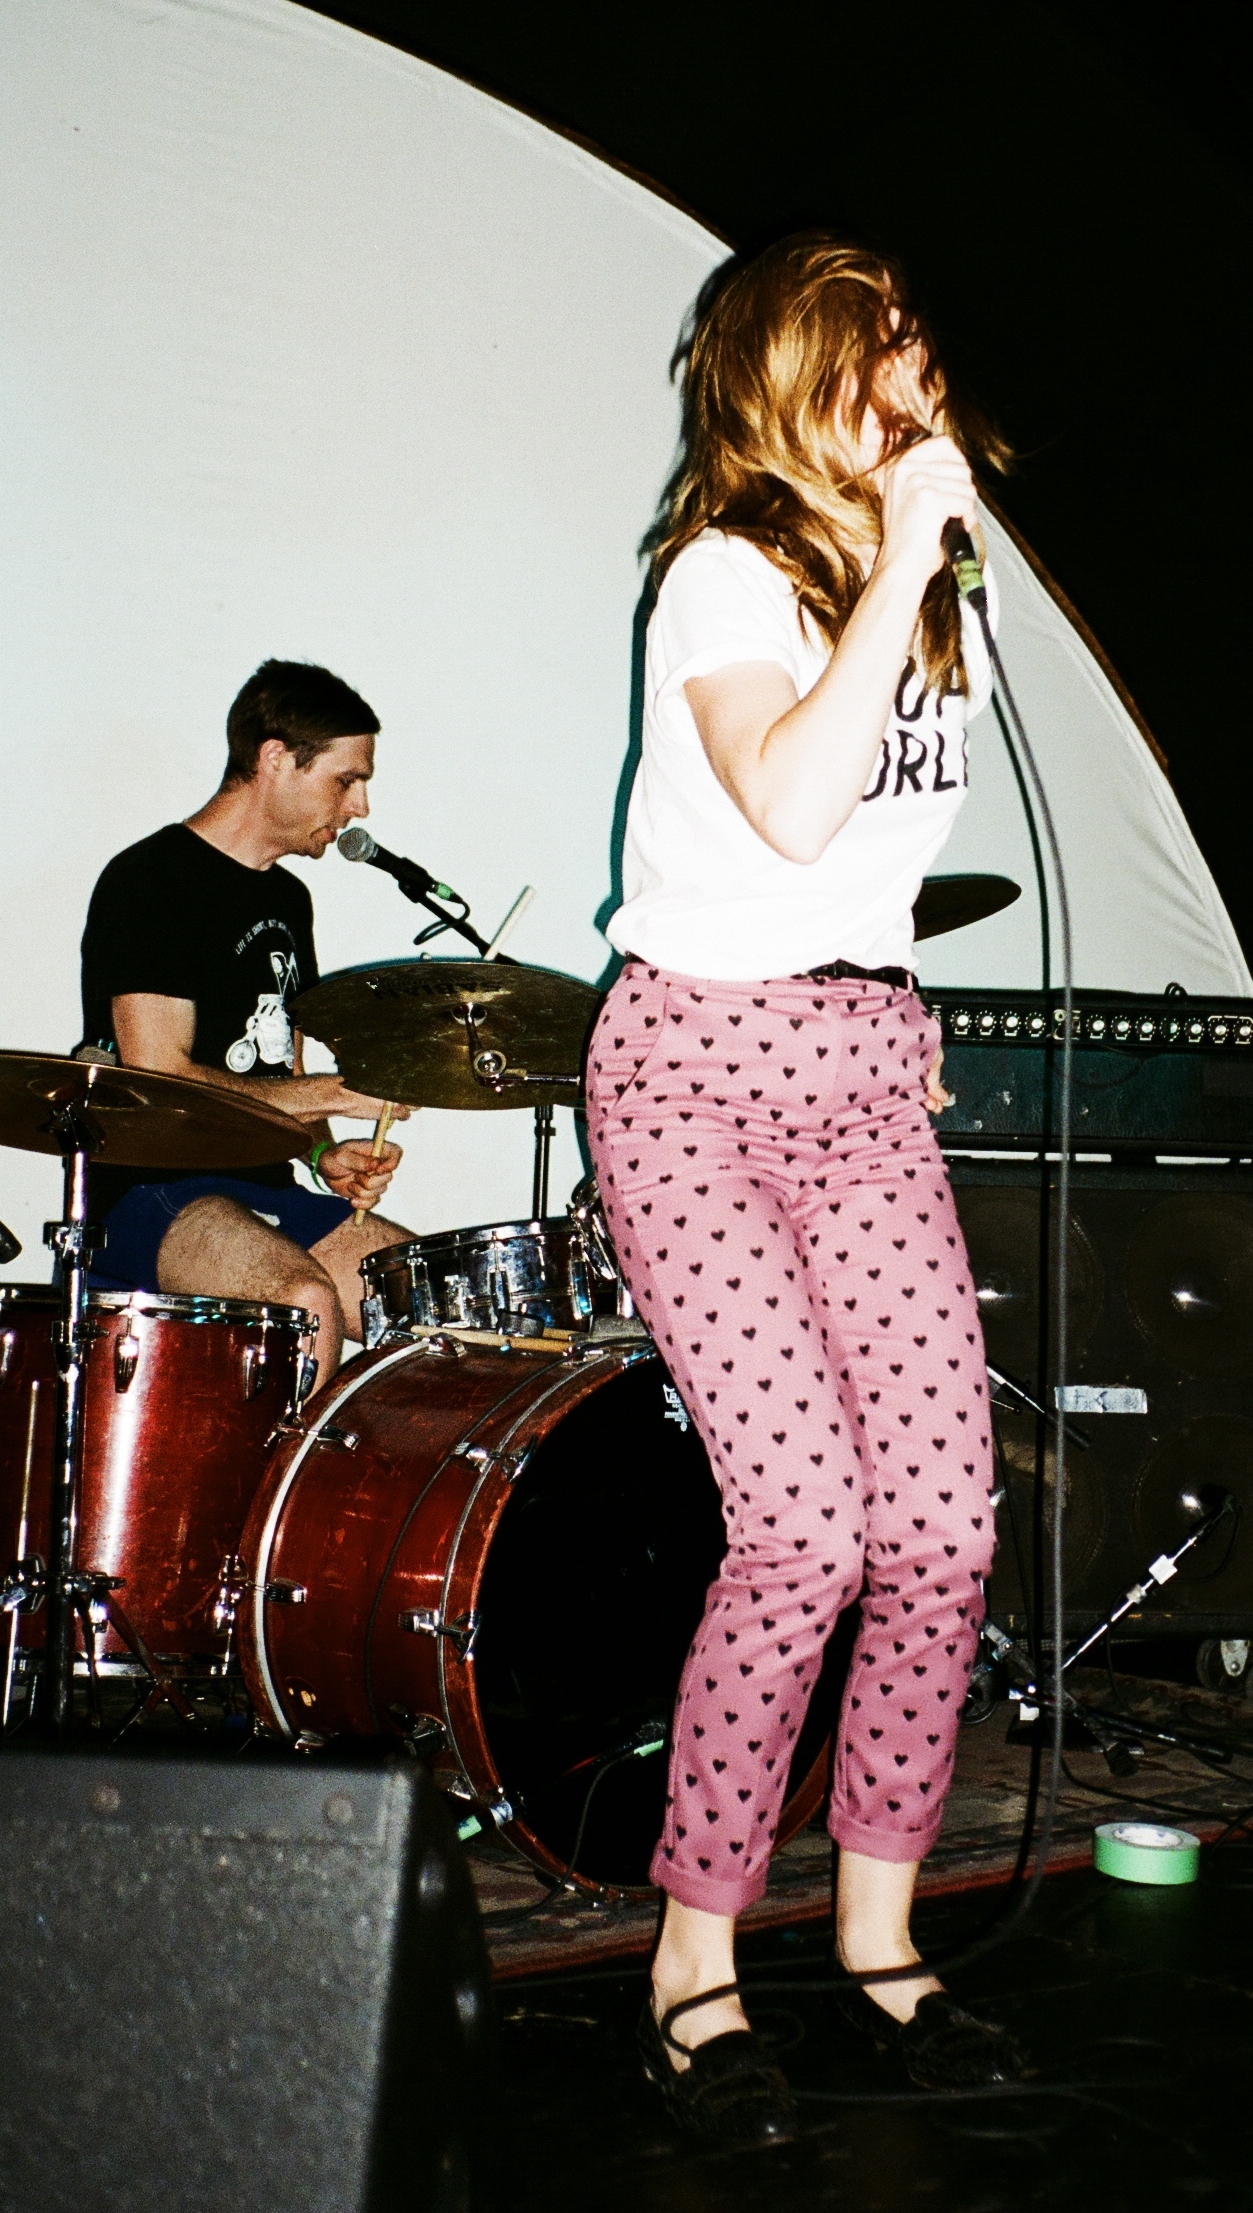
[923, 489]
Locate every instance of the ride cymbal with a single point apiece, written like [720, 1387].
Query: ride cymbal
[954, 902]
[453, 1033]
[137, 1119]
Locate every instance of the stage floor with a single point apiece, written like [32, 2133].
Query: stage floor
[977, 1847]
[1134, 2003]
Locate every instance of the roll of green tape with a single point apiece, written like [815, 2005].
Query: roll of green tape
[1141, 1852]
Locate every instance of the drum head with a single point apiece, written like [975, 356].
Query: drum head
[592, 1590]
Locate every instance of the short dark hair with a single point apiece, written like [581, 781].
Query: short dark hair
[302, 705]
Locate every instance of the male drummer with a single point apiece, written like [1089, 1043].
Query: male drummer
[196, 943]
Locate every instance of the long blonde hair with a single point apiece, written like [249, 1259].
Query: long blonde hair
[782, 347]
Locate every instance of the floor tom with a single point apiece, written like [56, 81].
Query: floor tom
[183, 1399]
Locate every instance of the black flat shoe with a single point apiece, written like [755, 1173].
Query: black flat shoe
[943, 2047]
[730, 2093]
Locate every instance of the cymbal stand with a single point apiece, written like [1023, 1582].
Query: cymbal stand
[73, 1240]
[543, 1155]
[463, 927]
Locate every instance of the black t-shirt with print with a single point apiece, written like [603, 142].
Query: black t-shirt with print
[175, 917]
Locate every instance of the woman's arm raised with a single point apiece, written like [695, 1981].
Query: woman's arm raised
[796, 768]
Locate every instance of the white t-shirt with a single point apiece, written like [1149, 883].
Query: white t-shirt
[703, 894]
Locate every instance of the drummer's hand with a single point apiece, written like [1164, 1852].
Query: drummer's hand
[316, 1098]
[350, 1171]
[937, 1097]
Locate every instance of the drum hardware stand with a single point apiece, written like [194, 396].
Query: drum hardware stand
[73, 1240]
[93, 1596]
[232, 1590]
[543, 1154]
[1121, 1740]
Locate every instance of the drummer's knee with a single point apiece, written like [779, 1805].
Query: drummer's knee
[311, 1288]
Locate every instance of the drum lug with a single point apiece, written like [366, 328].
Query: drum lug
[283, 1592]
[373, 1321]
[23, 1588]
[254, 1367]
[125, 1358]
[232, 1586]
[306, 1377]
[427, 1621]
[579, 1288]
[424, 1735]
[508, 1464]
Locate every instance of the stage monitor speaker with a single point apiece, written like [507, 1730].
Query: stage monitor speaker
[1161, 1298]
[244, 1987]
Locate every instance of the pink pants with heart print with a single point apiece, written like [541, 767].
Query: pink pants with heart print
[784, 1221]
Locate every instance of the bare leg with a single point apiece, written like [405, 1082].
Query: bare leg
[873, 1898]
[217, 1248]
[696, 1952]
[341, 1253]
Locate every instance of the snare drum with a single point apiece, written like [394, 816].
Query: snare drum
[500, 1555]
[182, 1398]
[516, 1278]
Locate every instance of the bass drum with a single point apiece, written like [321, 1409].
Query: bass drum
[503, 1553]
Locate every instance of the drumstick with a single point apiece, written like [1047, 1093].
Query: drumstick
[381, 1128]
[515, 914]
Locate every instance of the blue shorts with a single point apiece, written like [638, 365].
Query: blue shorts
[136, 1225]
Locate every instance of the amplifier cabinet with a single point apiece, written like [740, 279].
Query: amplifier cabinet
[1168, 1074]
[1161, 1298]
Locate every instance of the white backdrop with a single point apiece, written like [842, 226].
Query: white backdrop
[310, 350]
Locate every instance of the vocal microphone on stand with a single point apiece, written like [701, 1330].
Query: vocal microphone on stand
[413, 879]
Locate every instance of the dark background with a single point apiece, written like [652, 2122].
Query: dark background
[1068, 186]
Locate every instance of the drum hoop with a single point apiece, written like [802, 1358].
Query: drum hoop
[161, 1306]
[480, 1234]
[269, 1529]
[622, 1359]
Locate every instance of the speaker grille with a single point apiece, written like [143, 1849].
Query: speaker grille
[1189, 1278]
[1162, 1300]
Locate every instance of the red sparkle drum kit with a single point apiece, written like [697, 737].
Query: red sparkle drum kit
[486, 1540]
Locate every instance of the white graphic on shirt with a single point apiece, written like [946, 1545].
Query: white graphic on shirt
[267, 1033]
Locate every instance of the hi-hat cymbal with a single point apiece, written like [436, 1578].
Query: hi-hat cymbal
[953, 902]
[453, 1033]
[140, 1120]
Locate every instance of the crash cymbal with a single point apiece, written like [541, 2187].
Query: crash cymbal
[140, 1120]
[452, 1033]
[953, 902]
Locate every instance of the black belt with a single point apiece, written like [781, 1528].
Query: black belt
[900, 979]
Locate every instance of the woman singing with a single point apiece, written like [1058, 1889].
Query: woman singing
[760, 1084]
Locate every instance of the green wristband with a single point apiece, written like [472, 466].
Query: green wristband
[315, 1156]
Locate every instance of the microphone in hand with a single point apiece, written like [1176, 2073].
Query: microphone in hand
[959, 552]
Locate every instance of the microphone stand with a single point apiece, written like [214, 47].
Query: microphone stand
[1120, 1738]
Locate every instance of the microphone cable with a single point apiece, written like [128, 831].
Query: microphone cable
[1039, 1818]
[1022, 1889]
